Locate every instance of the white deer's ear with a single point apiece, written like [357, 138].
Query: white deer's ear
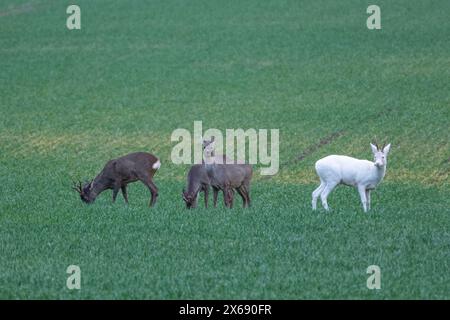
[387, 148]
[374, 148]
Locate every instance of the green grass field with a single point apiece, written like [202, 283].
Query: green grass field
[137, 70]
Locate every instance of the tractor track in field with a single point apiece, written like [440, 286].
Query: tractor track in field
[316, 146]
[326, 140]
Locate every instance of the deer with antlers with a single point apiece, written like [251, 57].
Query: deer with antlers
[119, 172]
[363, 174]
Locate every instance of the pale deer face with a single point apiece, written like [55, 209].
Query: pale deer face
[208, 147]
[380, 155]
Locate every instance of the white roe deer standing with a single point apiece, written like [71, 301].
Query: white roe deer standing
[363, 174]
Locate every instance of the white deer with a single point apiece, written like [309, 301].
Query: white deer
[363, 174]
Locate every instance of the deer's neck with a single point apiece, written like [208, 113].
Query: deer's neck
[98, 186]
[379, 173]
[194, 186]
[210, 157]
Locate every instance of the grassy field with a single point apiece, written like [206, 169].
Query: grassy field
[137, 70]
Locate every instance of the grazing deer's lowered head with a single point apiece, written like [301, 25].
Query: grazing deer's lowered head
[84, 191]
[197, 181]
[190, 199]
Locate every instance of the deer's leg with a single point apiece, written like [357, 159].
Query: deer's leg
[116, 188]
[325, 192]
[154, 192]
[147, 180]
[215, 194]
[368, 199]
[249, 201]
[244, 194]
[124, 193]
[230, 194]
[225, 197]
[195, 202]
[228, 197]
[246, 189]
[316, 193]
[362, 194]
[206, 191]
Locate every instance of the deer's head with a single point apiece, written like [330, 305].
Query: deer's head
[208, 146]
[380, 154]
[84, 191]
[189, 199]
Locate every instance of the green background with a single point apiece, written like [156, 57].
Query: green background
[137, 70]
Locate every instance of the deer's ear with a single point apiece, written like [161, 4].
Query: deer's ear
[387, 148]
[374, 148]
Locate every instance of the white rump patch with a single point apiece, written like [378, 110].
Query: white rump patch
[156, 165]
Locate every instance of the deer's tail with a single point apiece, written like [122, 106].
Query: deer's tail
[156, 165]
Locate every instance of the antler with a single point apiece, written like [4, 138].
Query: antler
[375, 142]
[77, 187]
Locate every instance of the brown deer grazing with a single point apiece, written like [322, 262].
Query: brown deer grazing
[119, 172]
[197, 181]
[227, 177]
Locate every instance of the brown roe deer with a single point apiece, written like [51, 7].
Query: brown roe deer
[197, 181]
[227, 176]
[119, 172]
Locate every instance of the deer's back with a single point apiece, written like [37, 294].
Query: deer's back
[132, 165]
[346, 169]
[234, 174]
[198, 173]
[138, 158]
